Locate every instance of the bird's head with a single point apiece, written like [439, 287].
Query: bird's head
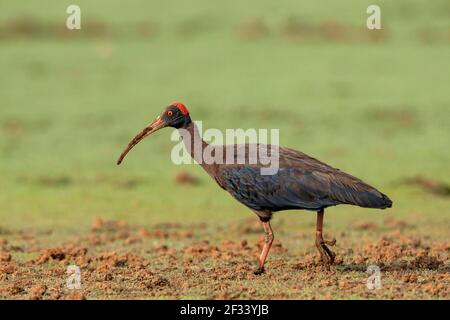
[176, 115]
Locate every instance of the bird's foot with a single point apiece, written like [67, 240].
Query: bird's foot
[327, 256]
[259, 270]
[331, 242]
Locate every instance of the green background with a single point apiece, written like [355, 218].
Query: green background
[375, 104]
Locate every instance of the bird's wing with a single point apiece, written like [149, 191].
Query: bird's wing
[301, 182]
[282, 191]
[342, 187]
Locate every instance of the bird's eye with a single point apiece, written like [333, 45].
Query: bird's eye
[169, 113]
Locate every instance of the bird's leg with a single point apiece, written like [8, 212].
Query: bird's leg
[325, 253]
[267, 244]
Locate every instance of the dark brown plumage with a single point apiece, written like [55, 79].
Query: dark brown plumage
[301, 181]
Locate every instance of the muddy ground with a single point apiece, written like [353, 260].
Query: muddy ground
[119, 261]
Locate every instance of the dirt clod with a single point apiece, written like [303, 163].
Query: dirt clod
[37, 291]
[186, 178]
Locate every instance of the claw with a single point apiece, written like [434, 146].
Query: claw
[331, 255]
[259, 271]
[326, 254]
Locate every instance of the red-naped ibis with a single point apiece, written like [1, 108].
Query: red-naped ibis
[301, 182]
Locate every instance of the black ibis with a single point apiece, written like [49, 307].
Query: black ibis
[301, 181]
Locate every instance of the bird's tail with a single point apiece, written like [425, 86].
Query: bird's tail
[362, 195]
[375, 199]
[385, 202]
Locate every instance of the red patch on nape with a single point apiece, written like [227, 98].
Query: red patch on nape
[181, 107]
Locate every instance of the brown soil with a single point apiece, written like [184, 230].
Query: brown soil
[184, 177]
[432, 186]
[118, 260]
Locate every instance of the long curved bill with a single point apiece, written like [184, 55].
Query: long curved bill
[152, 127]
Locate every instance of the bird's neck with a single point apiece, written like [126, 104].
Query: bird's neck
[193, 141]
[195, 145]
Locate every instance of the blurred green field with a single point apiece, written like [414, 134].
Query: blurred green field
[378, 108]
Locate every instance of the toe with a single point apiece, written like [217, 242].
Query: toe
[259, 271]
